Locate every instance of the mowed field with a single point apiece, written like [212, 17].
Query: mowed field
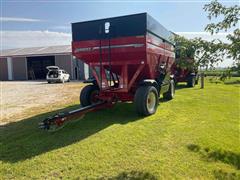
[196, 135]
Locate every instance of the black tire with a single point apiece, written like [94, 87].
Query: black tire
[87, 93]
[191, 81]
[171, 91]
[142, 99]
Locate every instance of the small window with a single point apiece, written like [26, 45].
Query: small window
[107, 27]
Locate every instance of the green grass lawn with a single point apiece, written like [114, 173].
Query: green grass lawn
[196, 135]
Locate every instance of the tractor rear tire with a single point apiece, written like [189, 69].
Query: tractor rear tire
[171, 91]
[191, 81]
[146, 100]
[88, 95]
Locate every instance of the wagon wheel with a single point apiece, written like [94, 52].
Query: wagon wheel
[89, 95]
[146, 100]
[191, 81]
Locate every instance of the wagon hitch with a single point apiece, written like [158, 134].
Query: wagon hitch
[56, 122]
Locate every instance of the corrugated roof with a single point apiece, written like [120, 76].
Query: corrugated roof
[34, 51]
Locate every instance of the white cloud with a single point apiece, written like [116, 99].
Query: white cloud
[208, 37]
[18, 19]
[62, 27]
[205, 35]
[21, 39]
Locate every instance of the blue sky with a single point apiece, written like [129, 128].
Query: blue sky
[178, 16]
[43, 23]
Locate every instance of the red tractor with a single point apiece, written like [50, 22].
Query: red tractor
[131, 58]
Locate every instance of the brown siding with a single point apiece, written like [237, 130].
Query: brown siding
[19, 68]
[64, 62]
[3, 69]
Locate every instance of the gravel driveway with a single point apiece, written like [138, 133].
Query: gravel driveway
[18, 98]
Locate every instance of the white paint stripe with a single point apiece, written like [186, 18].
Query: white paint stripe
[106, 47]
[148, 45]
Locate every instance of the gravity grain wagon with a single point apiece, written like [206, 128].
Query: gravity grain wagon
[131, 59]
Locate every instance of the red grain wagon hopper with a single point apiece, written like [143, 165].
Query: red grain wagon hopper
[131, 58]
[188, 74]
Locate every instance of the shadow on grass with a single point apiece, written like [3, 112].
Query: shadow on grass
[232, 82]
[181, 86]
[23, 140]
[222, 175]
[227, 157]
[133, 175]
[215, 82]
[226, 82]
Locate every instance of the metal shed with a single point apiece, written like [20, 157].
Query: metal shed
[30, 63]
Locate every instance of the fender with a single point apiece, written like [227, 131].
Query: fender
[150, 82]
[91, 80]
[147, 82]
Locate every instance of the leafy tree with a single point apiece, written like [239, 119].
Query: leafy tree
[184, 52]
[236, 68]
[192, 53]
[234, 47]
[230, 16]
[230, 19]
[205, 53]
